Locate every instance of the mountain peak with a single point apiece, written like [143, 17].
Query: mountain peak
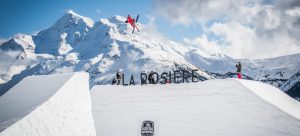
[70, 11]
[73, 16]
[67, 32]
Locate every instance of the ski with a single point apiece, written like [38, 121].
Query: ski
[133, 29]
[136, 20]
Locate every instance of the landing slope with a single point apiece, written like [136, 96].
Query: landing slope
[210, 108]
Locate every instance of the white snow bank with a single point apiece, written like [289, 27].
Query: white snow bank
[274, 96]
[52, 105]
[210, 108]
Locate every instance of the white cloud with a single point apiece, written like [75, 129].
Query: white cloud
[202, 42]
[151, 28]
[187, 11]
[239, 39]
[293, 12]
[268, 18]
[242, 42]
[250, 28]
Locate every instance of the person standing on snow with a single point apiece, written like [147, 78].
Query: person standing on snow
[239, 70]
[151, 77]
[117, 79]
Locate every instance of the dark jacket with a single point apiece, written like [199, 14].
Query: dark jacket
[151, 78]
[119, 76]
[239, 67]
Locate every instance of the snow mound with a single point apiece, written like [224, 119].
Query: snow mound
[274, 96]
[210, 108]
[36, 106]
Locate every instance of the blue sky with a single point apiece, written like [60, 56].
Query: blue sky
[31, 16]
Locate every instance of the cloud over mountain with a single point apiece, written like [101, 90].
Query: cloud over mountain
[243, 29]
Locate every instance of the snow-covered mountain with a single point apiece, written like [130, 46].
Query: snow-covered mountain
[103, 47]
[275, 71]
[64, 35]
[76, 43]
[292, 86]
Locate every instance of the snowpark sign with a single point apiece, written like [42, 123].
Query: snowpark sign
[176, 77]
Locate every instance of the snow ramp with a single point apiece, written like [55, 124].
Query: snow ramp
[52, 105]
[226, 107]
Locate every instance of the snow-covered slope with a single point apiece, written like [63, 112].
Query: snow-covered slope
[274, 96]
[292, 86]
[105, 46]
[214, 107]
[279, 67]
[274, 71]
[64, 35]
[291, 82]
[48, 105]
[18, 55]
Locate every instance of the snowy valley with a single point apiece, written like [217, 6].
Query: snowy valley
[101, 48]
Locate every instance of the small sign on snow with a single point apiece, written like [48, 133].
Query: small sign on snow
[147, 128]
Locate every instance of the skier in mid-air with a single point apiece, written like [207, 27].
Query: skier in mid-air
[132, 22]
[239, 70]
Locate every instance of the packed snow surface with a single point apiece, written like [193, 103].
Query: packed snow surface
[275, 97]
[53, 105]
[215, 107]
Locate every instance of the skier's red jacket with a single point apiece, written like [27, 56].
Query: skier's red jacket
[130, 21]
